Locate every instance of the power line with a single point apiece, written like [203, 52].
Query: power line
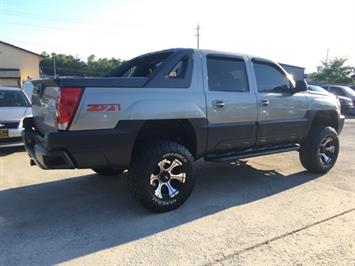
[52, 18]
[54, 28]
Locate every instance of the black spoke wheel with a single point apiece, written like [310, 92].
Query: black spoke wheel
[327, 150]
[161, 175]
[319, 152]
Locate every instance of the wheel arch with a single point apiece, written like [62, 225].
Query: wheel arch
[191, 133]
[324, 118]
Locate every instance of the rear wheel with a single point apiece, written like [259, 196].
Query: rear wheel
[108, 171]
[319, 152]
[161, 176]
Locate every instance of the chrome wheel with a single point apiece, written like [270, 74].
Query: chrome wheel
[327, 151]
[168, 178]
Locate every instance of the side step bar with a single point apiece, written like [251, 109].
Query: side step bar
[251, 153]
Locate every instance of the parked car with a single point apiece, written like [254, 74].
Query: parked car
[28, 88]
[346, 103]
[157, 113]
[14, 105]
[340, 90]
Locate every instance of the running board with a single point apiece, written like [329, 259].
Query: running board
[253, 153]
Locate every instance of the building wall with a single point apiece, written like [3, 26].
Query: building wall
[295, 71]
[28, 63]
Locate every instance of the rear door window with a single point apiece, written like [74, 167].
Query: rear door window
[227, 74]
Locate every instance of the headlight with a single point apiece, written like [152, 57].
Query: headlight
[338, 103]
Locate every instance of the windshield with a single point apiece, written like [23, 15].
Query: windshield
[9, 98]
[348, 90]
[317, 88]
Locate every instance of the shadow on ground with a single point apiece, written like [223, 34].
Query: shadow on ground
[62, 220]
[11, 149]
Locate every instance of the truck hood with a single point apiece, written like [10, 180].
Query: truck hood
[8, 114]
[344, 98]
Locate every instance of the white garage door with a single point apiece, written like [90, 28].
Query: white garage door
[9, 82]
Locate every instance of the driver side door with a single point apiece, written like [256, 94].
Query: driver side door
[281, 110]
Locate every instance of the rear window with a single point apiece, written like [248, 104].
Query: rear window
[13, 99]
[142, 66]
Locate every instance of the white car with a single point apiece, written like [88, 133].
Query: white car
[14, 106]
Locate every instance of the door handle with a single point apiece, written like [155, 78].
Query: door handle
[265, 102]
[218, 104]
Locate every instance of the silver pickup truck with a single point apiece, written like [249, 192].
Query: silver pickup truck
[157, 113]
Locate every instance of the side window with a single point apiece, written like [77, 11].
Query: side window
[178, 71]
[269, 78]
[227, 74]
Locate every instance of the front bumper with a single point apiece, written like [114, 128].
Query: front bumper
[80, 149]
[341, 123]
[347, 109]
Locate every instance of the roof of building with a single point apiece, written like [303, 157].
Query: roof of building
[2, 88]
[14, 46]
[292, 66]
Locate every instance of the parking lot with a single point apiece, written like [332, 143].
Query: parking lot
[267, 211]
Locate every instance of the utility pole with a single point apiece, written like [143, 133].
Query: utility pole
[327, 58]
[198, 35]
[54, 67]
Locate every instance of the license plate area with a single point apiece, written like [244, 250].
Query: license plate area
[4, 133]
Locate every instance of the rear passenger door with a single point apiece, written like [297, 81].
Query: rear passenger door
[231, 106]
[281, 111]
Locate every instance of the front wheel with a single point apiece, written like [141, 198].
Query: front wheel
[319, 152]
[161, 176]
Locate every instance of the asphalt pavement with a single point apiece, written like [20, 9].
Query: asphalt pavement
[266, 211]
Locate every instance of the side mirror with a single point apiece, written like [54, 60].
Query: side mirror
[301, 85]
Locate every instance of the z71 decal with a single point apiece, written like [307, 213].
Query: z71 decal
[105, 107]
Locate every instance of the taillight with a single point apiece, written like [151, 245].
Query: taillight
[67, 104]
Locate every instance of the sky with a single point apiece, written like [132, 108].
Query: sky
[287, 31]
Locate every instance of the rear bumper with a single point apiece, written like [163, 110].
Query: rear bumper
[14, 137]
[80, 149]
[15, 132]
[42, 156]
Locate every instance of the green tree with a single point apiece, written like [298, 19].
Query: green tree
[334, 71]
[68, 65]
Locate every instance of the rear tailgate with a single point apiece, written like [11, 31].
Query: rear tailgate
[44, 98]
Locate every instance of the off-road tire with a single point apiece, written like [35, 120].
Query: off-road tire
[150, 160]
[311, 149]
